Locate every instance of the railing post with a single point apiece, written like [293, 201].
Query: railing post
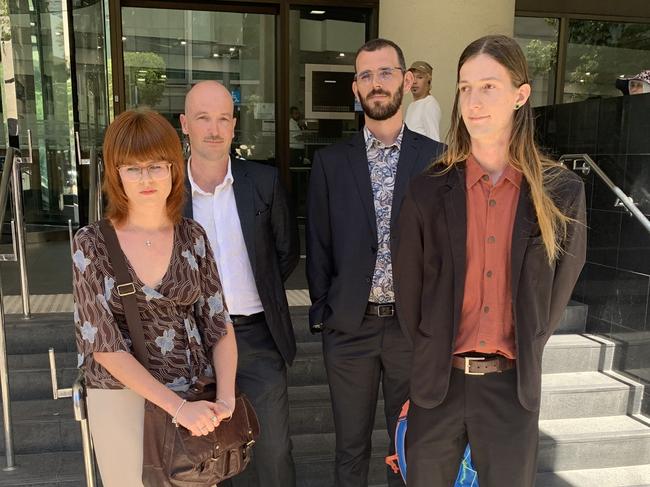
[4, 370]
[17, 184]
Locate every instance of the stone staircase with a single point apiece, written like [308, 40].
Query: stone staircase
[592, 434]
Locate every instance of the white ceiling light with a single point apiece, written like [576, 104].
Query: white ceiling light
[317, 12]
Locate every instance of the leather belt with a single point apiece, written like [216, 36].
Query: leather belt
[384, 310]
[247, 319]
[482, 365]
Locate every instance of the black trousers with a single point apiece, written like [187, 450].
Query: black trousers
[262, 376]
[356, 364]
[485, 411]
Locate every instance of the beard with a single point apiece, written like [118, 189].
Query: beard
[375, 110]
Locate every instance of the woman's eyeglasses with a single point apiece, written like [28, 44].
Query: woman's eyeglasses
[134, 173]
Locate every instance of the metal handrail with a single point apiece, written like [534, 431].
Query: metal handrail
[624, 199]
[7, 171]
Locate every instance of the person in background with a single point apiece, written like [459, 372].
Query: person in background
[244, 210]
[423, 114]
[491, 241]
[187, 329]
[638, 84]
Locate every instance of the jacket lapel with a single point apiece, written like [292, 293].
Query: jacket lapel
[245, 200]
[407, 157]
[455, 204]
[358, 159]
[525, 219]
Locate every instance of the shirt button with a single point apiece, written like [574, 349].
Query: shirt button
[485, 178]
[488, 273]
[486, 309]
[482, 343]
[493, 202]
[491, 239]
[367, 279]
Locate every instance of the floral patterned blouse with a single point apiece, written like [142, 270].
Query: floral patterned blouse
[183, 316]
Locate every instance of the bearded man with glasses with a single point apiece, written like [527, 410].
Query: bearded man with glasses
[355, 193]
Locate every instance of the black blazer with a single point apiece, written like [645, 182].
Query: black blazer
[271, 236]
[429, 273]
[342, 229]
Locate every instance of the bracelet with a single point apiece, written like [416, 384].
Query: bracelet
[178, 410]
[221, 401]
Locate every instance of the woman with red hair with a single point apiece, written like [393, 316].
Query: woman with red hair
[187, 330]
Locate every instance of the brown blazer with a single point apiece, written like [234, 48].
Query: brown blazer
[429, 270]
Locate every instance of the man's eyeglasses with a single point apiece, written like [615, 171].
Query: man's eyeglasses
[384, 75]
[156, 171]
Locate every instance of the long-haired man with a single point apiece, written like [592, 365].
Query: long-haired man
[491, 243]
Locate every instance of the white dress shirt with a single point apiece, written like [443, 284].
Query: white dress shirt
[423, 116]
[217, 213]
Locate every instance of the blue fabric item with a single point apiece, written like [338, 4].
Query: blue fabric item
[467, 476]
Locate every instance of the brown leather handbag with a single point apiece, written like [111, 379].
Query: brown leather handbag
[172, 456]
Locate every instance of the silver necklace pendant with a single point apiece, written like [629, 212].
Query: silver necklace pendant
[147, 243]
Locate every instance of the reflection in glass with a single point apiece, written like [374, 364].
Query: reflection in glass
[322, 47]
[167, 51]
[600, 52]
[35, 46]
[538, 38]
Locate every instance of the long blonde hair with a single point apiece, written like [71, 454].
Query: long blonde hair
[539, 171]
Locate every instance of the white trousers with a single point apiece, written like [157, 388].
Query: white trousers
[116, 419]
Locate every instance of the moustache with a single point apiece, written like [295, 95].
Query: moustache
[378, 92]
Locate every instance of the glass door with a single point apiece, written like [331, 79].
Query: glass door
[167, 50]
[43, 58]
[323, 41]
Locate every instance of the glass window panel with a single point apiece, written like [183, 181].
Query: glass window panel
[601, 52]
[167, 51]
[538, 38]
[36, 60]
[322, 44]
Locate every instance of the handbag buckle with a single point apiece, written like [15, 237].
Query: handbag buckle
[126, 289]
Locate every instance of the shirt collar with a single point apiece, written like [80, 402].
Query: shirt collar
[474, 172]
[228, 180]
[372, 141]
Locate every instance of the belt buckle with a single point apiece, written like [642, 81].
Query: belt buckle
[468, 360]
[390, 310]
[129, 288]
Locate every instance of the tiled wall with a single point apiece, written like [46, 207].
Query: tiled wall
[615, 282]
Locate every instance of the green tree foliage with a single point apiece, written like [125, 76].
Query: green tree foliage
[145, 71]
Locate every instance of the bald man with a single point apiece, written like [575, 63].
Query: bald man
[245, 213]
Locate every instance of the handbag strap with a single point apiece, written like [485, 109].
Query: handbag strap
[125, 290]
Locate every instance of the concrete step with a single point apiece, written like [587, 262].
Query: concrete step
[567, 444]
[563, 354]
[633, 476]
[48, 425]
[588, 394]
[314, 459]
[39, 333]
[60, 469]
[32, 378]
[584, 443]
[43, 426]
[574, 320]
